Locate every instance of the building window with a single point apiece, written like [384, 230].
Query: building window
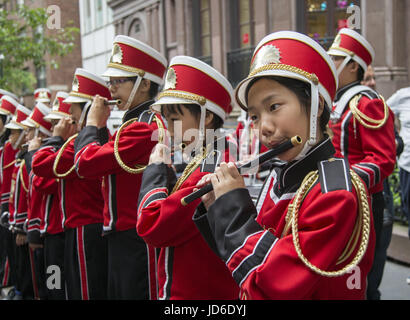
[245, 23]
[87, 18]
[321, 20]
[41, 77]
[136, 30]
[99, 16]
[202, 30]
[241, 39]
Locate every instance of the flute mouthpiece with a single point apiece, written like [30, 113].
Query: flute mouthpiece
[296, 140]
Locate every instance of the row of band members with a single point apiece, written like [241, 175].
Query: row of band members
[109, 210]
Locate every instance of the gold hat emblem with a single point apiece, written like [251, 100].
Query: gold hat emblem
[56, 104]
[42, 95]
[116, 54]
[170, 79]
[76, 85]
[268, 54]
[336, 42]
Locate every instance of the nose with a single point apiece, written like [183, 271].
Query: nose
[111, 88]
[266, 127]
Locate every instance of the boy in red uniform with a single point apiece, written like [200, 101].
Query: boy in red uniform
[362, 124]
[135, 71]
[23, 258]
[8, 105]
[49, 229]
[85, 264]
[199, 97]
[312, 224]
[38, 127]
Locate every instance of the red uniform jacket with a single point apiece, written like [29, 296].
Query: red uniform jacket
[7, 160]
[262, 260]
[187, 267]
[120, 188]
[81, 200]
[371, 153]
[44, 212]
[18, 203]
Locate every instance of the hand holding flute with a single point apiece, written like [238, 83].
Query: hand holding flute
[100, 111]
[227, 176]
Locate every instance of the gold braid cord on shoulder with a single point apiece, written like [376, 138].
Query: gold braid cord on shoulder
[21, 175]
[190, 168]
[9, 165]
[57, 159]
[362, 226]
[364, 120]
[138, 168]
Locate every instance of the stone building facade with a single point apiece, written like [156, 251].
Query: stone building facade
[225, 32]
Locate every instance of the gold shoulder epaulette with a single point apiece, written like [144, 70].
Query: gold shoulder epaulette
[362, 226]
[138, 168]
[363, 119]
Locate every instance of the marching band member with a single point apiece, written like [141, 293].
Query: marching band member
[23, 256]
[50, 221]
[7, 110]
[199, 97]
[312, 224]
[362, 124]
[39, 128]
[135, 71]
[85, 266]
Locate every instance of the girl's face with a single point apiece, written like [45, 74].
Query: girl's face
[182, 127]
[278, 115]
[76, 110]
[14, 135]
[121, 88]
[30, 134]
[1, 125]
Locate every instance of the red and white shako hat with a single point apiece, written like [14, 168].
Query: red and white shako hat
[131, 58]
[293, 55]
[60, 109]
[36, 119]
[191, 81]
[8, 106]
[22, 113]
[42, 95]
[85, 86]
[7, 93]
[352, 45]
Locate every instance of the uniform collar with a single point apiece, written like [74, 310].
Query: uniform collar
[137, 111]
[291, 175]
[341, 91]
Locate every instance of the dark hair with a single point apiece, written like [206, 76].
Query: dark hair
[5, 136]
[302, 91]
[195, 110]
[360, 71]
[153, 90]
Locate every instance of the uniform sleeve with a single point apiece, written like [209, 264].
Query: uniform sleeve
[268, 267]
[377, 145]
[33, 214]
[21, 212]
[43, 159]
[94, 159]
[162, 220]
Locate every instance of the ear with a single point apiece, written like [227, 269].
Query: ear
[145, 85]
[321, 106]
[354, 67]
[209, 120]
